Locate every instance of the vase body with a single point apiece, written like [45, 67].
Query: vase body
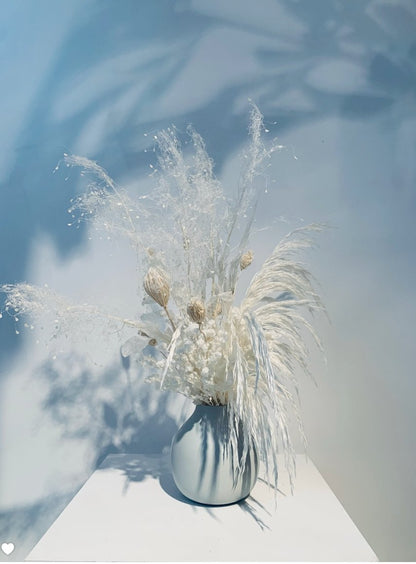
[205, 466]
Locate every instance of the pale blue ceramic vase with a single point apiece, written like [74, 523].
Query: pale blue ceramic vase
[205, 466]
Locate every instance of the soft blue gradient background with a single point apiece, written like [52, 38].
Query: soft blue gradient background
[91, 77]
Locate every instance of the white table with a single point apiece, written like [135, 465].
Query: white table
[130, 510]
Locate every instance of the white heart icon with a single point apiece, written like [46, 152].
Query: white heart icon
[7, 548]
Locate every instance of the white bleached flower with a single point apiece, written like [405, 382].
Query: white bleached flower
[246, 259]
[156, 285]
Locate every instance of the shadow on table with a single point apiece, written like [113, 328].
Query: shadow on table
[137, 467]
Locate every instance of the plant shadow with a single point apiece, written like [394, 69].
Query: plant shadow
[136, 467]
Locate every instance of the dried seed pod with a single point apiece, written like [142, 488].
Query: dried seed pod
[246, 259]
[156, 285]
[196, 310]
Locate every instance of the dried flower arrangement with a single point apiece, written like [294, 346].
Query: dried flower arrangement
[192, 244]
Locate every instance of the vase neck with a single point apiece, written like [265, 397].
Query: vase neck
[211, 409]
[212, 413]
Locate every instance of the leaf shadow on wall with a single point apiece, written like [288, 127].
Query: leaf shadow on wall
[109, 410]
[100, 97]
[112, 408]
[103, 95]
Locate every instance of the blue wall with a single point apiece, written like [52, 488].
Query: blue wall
[336, 81]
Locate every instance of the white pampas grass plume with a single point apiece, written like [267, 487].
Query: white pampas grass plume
[196, 310]
[156, 285]
[246, 260]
